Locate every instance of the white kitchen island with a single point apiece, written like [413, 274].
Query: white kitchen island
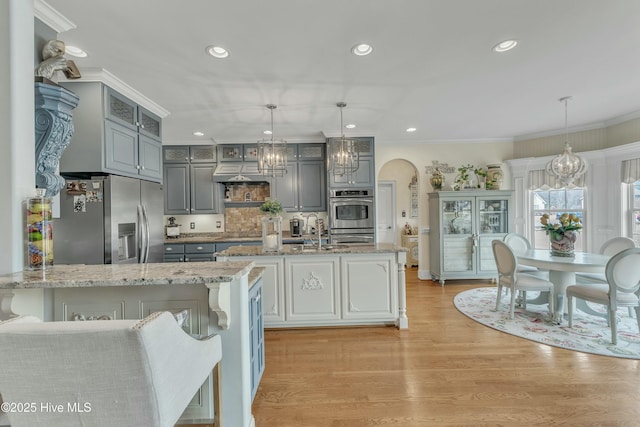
[214, 293]
[342, 285]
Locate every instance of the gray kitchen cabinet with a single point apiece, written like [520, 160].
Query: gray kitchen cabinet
[189, 252]
[303, 187]
[365, 175]
[238, 152]
[189, 154]
[256, 331]
[198, 252]
[112, 134]
[188, 184]
[173, 252]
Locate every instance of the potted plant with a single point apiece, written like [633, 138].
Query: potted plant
[271, 207]
[271, 226]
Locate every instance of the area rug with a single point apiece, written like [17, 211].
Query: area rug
[589, 334]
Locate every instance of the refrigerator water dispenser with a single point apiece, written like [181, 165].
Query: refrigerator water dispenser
[127, 242]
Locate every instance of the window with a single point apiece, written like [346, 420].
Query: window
[635, 211]
[555, 202]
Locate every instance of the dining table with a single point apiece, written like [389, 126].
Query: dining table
[562, 272]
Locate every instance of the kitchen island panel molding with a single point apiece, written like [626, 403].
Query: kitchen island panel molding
[361, 299]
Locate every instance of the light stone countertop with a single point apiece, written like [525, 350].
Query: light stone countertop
[225, 237]
[69, 276]
[296, 250]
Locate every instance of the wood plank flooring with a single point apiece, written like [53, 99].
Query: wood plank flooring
[444, 370]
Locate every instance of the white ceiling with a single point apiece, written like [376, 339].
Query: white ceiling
[432, 66]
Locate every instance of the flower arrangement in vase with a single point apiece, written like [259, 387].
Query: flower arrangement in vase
[562, 233]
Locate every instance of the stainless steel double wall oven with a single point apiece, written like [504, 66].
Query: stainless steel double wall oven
[351, 215]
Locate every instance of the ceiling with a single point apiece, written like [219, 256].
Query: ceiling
[432, 66]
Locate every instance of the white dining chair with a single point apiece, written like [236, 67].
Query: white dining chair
[510, 278]
[610, 247]
[520, 244]
[105, 373]
[621, 290]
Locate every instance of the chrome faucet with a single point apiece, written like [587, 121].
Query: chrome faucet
[318, 230]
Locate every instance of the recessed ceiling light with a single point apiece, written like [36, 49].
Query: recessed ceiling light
[267, 132]
[217, 51]
[411, 129]
[198, 133]
[75, 51]
[350, 126]
[362, 49]
[504, 46]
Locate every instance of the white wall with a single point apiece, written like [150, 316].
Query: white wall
[17, 140]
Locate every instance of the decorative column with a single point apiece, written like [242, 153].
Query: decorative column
[54, 128]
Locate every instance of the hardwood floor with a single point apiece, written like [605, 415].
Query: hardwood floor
[444, 370]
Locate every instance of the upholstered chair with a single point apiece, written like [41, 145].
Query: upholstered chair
[509, 277]
[621, 290]
[610, 247]
[104, 373]
[520, 244]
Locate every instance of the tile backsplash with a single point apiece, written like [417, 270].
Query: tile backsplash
[246, 192]
[243, 220]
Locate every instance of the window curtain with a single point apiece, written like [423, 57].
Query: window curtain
[630, 171]
[541, 180]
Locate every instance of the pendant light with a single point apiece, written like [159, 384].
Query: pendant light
[343, 158]
[272, 153]
[566, 167]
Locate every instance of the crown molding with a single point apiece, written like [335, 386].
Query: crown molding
[51, 17]
[114, 82]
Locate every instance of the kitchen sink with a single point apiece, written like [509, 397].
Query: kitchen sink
[331, 247]
[314, 248]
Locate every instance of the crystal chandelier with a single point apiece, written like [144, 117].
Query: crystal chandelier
[272, 153]
[566, 167]
[342, 154]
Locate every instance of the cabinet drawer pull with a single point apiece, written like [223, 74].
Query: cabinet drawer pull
[199, 248]
[168, 249]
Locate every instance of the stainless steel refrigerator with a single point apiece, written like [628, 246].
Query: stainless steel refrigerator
[109, 220]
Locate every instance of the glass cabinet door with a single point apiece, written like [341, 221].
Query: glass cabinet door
[493, 223]
[457, 216]
[494, 216]
[458, 229]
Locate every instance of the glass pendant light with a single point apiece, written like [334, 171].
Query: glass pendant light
[272, 153]
[566, 167]
[342, 153]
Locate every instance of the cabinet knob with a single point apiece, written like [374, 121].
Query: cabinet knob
[142, 167]
[141, 125]
[186, 259]
[137, 123]
[138, 167]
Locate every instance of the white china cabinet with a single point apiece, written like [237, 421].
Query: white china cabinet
[463, 224]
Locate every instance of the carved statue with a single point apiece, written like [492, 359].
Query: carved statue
[53, 61]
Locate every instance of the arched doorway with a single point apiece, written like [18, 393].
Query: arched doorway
[401, 177]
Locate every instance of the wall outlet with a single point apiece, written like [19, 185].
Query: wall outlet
[218, 224]
[192, 225]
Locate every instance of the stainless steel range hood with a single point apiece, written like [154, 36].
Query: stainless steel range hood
[238, 172]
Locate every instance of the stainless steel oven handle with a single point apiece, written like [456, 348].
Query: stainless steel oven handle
[348, 200]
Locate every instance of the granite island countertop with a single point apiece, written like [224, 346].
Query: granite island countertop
[328, 249]
[83, 276]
